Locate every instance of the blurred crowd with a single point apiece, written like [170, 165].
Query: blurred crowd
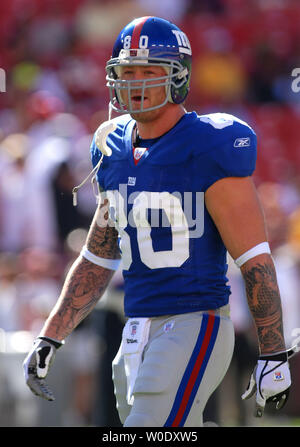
[53, 53]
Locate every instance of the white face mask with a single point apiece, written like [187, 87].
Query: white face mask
[176, 76]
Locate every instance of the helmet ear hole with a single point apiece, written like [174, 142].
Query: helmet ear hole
[174, 88]
[180, 85]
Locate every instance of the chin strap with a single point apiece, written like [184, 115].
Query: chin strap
[92, 174]
[101, 134]
[110, 110]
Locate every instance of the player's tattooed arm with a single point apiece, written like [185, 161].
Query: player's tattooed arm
[85, 282]
[234, 206]
[264, 302]
[102, 239]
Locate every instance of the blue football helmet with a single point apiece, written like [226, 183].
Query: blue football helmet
[153, 41]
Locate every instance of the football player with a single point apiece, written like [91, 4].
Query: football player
[176, 196]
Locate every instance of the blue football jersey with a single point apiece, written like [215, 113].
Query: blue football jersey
[174, 260]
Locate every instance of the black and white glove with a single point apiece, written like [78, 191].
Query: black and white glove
[37, 364]
[271, 380]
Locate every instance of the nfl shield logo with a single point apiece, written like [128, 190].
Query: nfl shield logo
[168, 326]
[138, 152]
[133, 330]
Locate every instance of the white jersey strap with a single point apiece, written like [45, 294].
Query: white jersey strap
[110, 264]
[257, 250]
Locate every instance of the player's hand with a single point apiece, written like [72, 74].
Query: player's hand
[271, 381]
[37, 364]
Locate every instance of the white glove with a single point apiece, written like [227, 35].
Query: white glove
[271, 380]
[101, 135]
[37, 364]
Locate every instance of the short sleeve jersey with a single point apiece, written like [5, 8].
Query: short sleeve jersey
[174, 260]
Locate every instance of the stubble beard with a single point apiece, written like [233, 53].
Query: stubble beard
[151, 115]
[145, 117]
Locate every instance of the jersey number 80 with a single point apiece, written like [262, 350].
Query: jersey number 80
[138, 217]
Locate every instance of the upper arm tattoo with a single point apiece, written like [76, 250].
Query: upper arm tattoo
[265, 303]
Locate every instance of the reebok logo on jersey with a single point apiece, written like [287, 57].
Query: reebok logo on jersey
[242, 142]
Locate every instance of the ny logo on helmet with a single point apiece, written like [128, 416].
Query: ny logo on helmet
[183, 42]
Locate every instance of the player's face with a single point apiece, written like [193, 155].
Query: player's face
[153, 96]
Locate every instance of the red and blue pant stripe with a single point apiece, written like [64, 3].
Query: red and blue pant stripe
[194, 372]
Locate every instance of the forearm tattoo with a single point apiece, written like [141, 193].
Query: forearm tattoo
[265, 304]
[83, 287]
[84, 284]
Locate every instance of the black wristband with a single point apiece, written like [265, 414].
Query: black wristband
[281, 357]
[57, 344]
